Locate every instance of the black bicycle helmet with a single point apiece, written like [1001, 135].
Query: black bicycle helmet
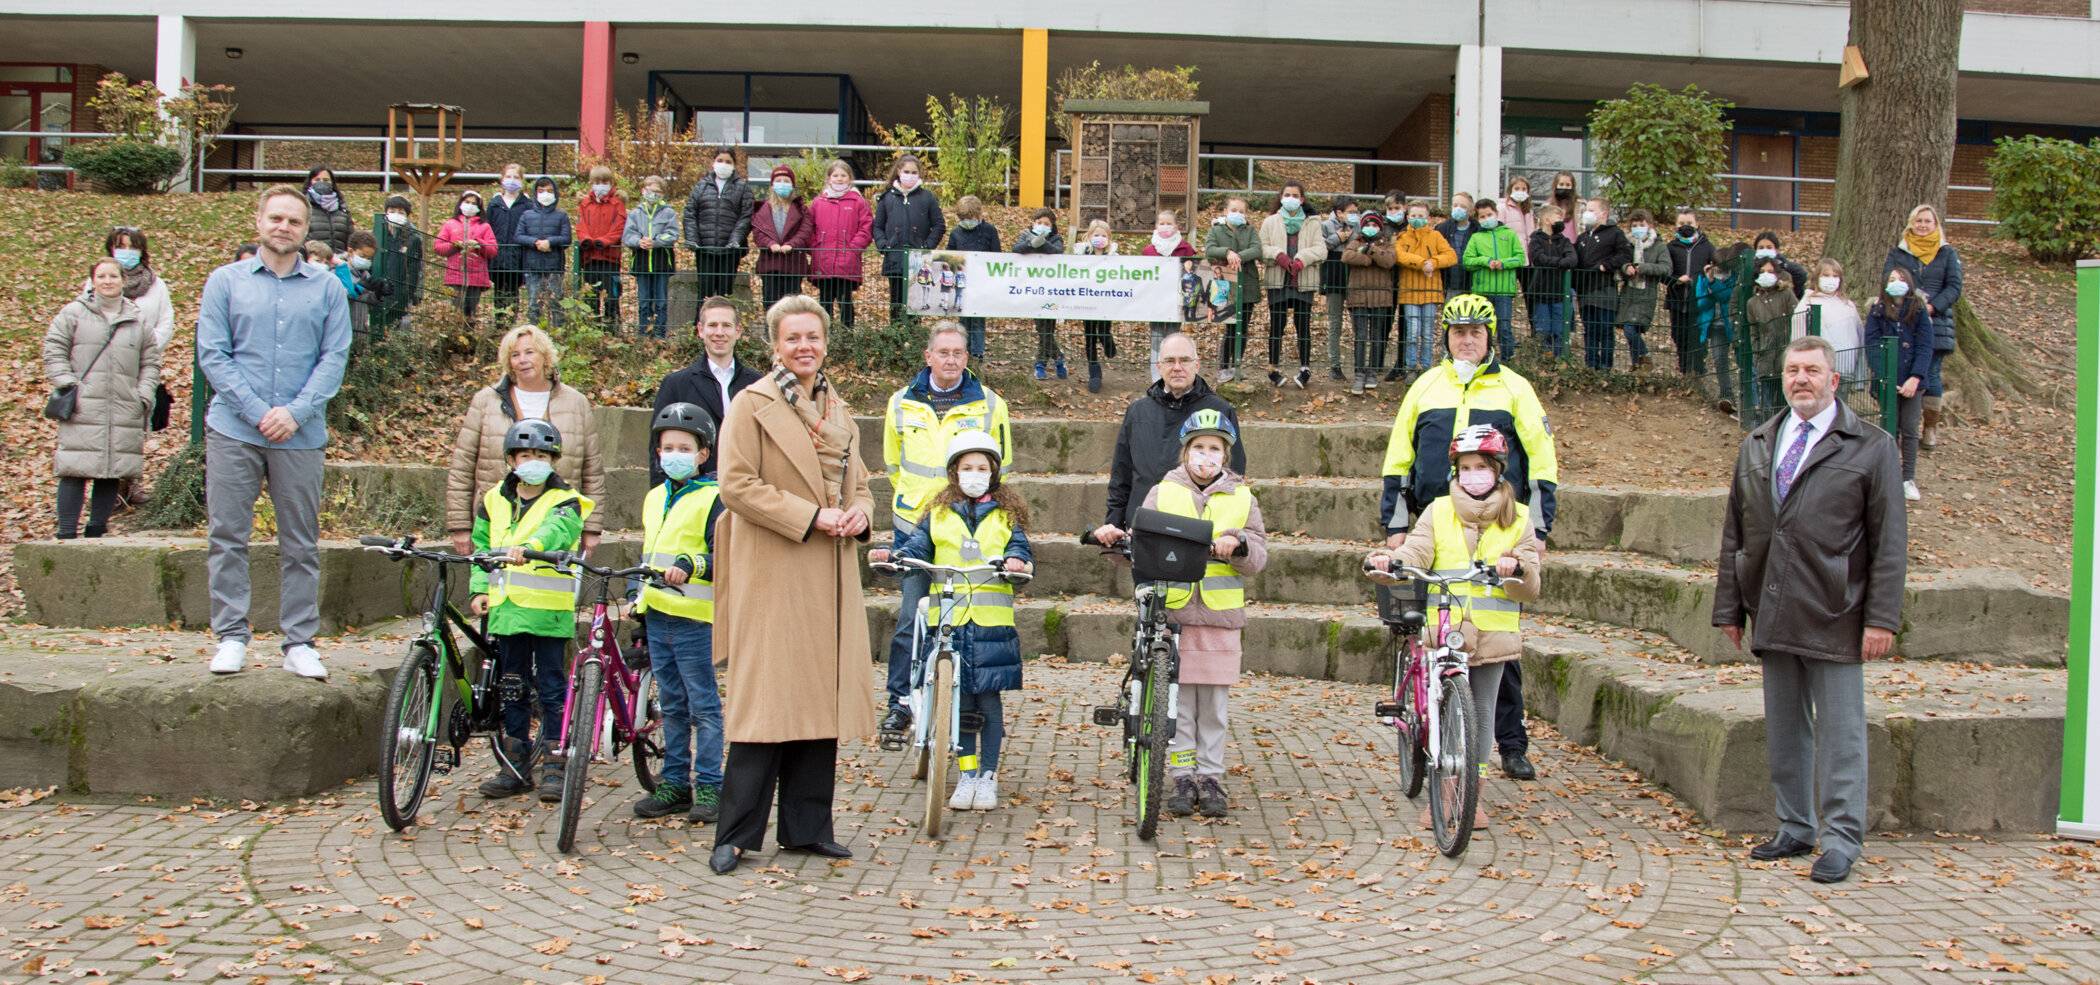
[533, 435]
[690, 418]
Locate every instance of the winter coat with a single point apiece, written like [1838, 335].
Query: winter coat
[600, 222]
[1600, 254]
[1771, 311]
[718, 214]
[1410, 249]
[1275, 245]
[106, 436]
[797, 237]
[400, 265]
[1334, 274]
[1148, 445]
[990, 655]
[1637, 294]
[1518, 219]
[1715, 307]
[1914, 336]
[695, 384]
[1457, 278]
[1227, 240]
[462, 267]
[1940, 284]
[791, 627]
[478, 462]
[1840, 324]
[1419, 550]
[1215, 666]
[1026, 241]
[1687, 260]
[906, 221]
[660, 227]
[503, 220]
[983, 239]
[333, 228]
[540, 222]
[841, 229]
[1548, 258]
[1372, 282]
[1810, 575]
[1499, 243]
[155, 308]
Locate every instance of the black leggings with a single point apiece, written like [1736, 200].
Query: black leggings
[898, 286]
[717, 269]
[103, 502]
[1100, 341]
[773, 287]
[837, 293]
[1300, 311]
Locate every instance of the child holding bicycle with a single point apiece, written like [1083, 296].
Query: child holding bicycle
[975, 519]
[1479, 520]
[678, 525]
[531, 608]
[1210, 615]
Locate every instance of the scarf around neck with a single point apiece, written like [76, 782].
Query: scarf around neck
[137, 281]
[1925, 248]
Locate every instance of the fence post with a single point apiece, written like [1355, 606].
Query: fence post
[1815, 320]
[1885, 385]
[200, 397]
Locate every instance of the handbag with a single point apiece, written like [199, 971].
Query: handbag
[163, 406]
[66, 400]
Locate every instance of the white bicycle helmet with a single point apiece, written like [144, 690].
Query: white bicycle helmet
[968, 441]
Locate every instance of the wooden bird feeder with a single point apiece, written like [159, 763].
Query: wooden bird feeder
[423, 144]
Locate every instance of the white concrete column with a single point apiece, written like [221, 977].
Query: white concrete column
[175, 66]
[1476, 120]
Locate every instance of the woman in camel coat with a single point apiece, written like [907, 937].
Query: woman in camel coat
[791, 631]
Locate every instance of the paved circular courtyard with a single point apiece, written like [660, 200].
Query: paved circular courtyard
[1321, 873]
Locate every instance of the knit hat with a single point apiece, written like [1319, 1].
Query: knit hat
[782, 171]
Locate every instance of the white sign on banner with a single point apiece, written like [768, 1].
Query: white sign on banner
[1055, 285]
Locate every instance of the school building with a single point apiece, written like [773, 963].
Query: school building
[1463, 92]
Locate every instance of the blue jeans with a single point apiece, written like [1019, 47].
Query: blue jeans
[973, 332]
[1505, 334]
[543, 296]
[682, 653]
[1420, 351]
[537, 663]
[654, 292]
[1636, 342]
[914, 587]
[989, 736]
[1549, 323]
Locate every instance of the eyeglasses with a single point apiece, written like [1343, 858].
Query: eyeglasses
[1177, 360]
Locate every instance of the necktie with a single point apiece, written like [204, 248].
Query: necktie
[1790, 465]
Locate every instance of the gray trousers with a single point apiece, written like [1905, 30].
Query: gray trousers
[1200, 725]
[1335, 315]
[1487, 686]
[1816, 747]
[234, 472]
[1910, 416]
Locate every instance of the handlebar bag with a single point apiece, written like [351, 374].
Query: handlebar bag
[1168, 546]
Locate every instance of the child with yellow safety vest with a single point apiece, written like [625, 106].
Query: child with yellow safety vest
[976, 518]
[531, 608]
[1480, 520]
[1210, 614]
[678, 531]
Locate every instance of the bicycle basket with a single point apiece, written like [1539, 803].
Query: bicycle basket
[1167, 546]
[1396, 601]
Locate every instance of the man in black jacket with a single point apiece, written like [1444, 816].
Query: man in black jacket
[713, 379]
[1812, 559]
[1148, 446]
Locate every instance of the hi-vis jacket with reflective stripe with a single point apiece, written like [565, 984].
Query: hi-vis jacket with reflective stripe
[1438, 542]
[1223, 589]
[986, 641]
[1418, 455]
[915, 439]
[529, 598]
[678, 522]
[1491, 609]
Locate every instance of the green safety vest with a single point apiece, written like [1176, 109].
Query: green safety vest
[534, 584]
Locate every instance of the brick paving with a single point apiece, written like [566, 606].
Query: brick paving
[1319, 874]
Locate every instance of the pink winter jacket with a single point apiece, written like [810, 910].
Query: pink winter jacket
[844, 228]
[1210, 640]
[465, 268]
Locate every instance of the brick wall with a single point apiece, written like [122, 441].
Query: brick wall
[85, 79]
[2033, 8]
[1819, 160]
[1424, 135]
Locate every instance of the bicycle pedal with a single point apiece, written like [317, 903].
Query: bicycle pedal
[1387, 710]
[1109, 715]
[891, 741]
[446, 759]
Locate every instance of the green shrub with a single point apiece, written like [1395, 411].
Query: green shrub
[884, 348]
[178, 493]
[15, 174]
[381, 363]
[126, 167]
[972, 151]
[1659, 149]
[2048, 196]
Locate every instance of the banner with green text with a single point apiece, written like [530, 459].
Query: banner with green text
[953, 283]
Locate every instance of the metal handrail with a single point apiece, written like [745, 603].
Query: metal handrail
[1060, 184]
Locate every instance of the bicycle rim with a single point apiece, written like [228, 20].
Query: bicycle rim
[1412, 738]
[1152, 744]
[648, 732]
[940, 739]
[575, 776]
[407, 743]
[1452, 798]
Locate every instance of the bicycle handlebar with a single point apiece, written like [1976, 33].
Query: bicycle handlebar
[400, 548]
[898, 565]
[1480, 574]
[1121, 547]
[565, 560]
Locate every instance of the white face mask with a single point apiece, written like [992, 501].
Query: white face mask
[1589, 218]
[1466, 368]
[1520, 195]
[601, 190]
[1040, 230]
[1476, 482]
[1767, 253]
[469, 208]
[973, 484]
[724, 170]
[1205, 463]
[545, 198]
[1291, 203]
[1828, 285]
[397, 218]
[1767, 279]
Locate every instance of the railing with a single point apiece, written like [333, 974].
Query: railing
[1589, 176]
[1061, 183]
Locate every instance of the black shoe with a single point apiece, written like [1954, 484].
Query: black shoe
[669, 799]
[503, 785]
[1108, 345]
[725, 859]
[826, 849]
[1335, 373]
[1182, 802]
[1394, 375]
[1516, 767]
[1093, 377]
[1275, 378]
[550, 785]
[1210, 797]
[707, 804]
[1831, 867]
[1304, 377]
[898, 720]
[1781, 846]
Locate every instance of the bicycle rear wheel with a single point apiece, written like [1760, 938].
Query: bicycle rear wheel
[648, 732]
[1453, 798]
[582, 731]
[407, 740]
[939, 753]
[1413, 738]
[1152, 740]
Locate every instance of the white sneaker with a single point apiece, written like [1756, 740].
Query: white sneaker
[987, 792]
[231, 658]
[965, 797]
[303, 661]
[1910, 491]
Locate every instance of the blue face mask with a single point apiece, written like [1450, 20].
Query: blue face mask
[1395, 216]
[1352, 218]
[126, 257]
[679, 465]
[967, 223]
[1235, 219]
[784, 189]
[1898, 288]
[1490, 223]
[1417, 222]
[534, 472]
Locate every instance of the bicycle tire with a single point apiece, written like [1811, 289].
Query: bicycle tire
[940, 738]
[648, 732]
[1152, 741]
[576, 770]
[408, 700]
[1413, 738]
[1452, 823]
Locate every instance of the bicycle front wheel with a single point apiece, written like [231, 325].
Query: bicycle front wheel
[1454, 787]
[648, 732]
[1153, 735]
[939, 752]
[1413, 742]
[407, 737]
[583, 729]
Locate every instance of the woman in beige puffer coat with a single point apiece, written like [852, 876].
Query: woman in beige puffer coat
[528, 389]
[101, 344]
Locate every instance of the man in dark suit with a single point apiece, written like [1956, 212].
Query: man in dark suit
[1812, 558]
[713, 379]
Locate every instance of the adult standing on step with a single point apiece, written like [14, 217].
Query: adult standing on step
[1148, 445]
[718, 224]
[712, 381]
[273, 336]
[1935, 271]
[528, 390]
[1812, 560]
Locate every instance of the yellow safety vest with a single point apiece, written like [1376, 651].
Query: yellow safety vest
[1491, 609]
[534, 584]
[916, 445]
[989, 602]
[1222, 587]
[667, 535]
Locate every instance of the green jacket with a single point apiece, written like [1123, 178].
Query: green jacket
[1500, 243]
[561, 531]
[1244, 240]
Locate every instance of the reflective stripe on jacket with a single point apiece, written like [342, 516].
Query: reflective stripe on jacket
[1222, 587]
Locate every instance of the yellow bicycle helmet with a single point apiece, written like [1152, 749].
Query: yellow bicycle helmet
[1469, 309]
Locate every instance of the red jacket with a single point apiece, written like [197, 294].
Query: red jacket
[1181, 249]
[842, 229]
[799, 232]
[464, 268]
[599, 224]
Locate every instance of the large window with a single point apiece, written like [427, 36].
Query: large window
[1538, 150]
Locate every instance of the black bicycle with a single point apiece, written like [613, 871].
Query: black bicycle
[1147, 696]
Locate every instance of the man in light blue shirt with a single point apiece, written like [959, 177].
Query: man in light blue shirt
[273, 336]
